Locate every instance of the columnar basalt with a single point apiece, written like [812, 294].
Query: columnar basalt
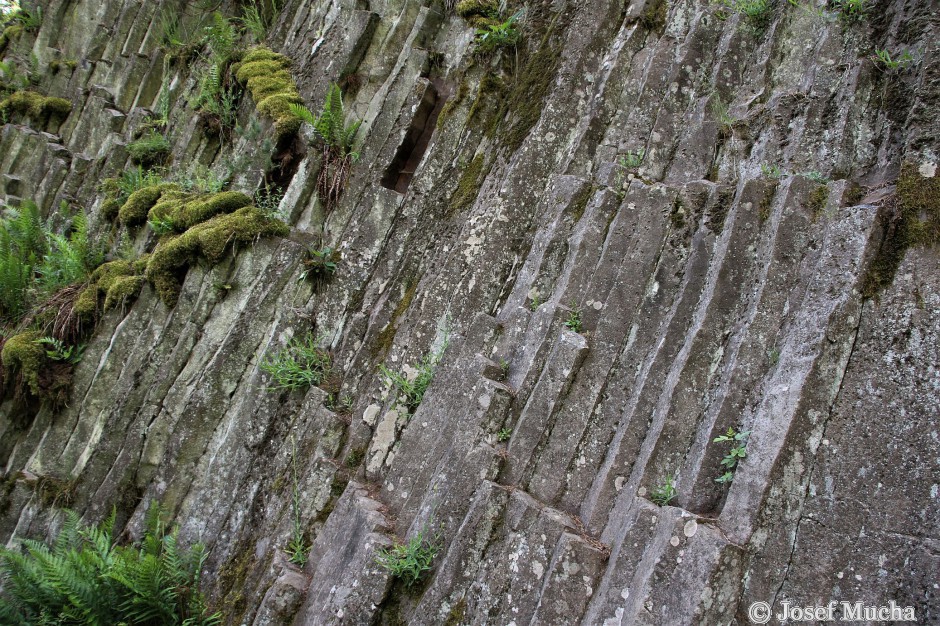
[641, 224]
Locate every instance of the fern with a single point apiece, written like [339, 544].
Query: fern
[85, 578]
[329, 124]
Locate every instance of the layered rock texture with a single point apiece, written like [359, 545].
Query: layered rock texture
[648, 222]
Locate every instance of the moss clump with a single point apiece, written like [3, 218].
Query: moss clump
[184, 212]
[266, 75]
[22, 354]
[654, 17]
[209, 240]
[37, 108]
[477, 8]
[817, 200]
[116, 281]
[135, 210]
[915, 221]
[151, 149]
[468, 187]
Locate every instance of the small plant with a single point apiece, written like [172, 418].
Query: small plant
[574, 322]
[298, 365]
[771, 171]
[268, 199]
[57, 350]
[773, 356]
[161, 225]
[298, 549]
[320, 264]
[257, 18]
[632, 160]
[816, 177]
[201, 180]
[500, 35]
[757, 12]
[341, 404]
[738, 441]
[884, 59]
[85, 577]
[852, 9]
[503, 435]
[411, 390]
[819, 12]
[721, 111]
[536, 302]
[152, 149]
[665, 493]
[410, 560]
[336, 141]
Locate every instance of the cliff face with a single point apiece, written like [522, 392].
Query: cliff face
[648, 223]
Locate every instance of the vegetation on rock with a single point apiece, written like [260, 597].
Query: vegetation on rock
[85, 577]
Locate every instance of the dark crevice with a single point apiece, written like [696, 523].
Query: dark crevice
[401, 170]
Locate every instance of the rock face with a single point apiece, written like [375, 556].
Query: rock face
[651, 222]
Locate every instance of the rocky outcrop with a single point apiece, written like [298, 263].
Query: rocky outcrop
[650, 222]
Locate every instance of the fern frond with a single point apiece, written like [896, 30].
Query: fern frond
[302, 112]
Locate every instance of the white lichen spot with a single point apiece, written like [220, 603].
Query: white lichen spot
[618, 482]
[690, 528]
[674, 541]
[927, 169]
[538, 569]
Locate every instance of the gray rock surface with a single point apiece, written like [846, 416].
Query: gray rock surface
[714, 292]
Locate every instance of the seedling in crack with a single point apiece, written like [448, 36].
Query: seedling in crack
[738, 441]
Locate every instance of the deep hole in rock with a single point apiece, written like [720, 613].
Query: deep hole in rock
[401, 170]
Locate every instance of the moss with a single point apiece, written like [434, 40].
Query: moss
[914, 222]
[269, 84]
[579, 203]
[817, 201]
[528, 94]
[135, 210]
[489, 106]
[122, 290]
[477, 8]
[37, 108]
[452, 104]
[22, 354]
[456, 614]
[387, 336]
[117, 281]
[184, 212]
[654, 17]
[209, 240]
[110, 209]
[152, 149]
[253, 69]
[468, 187]
[265, 74]
[86, 304]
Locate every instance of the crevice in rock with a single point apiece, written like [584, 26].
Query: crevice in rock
[401, 170]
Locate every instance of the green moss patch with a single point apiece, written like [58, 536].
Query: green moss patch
[35, 107]
[135, 210]
[208, 240]
[116, 282]
[474, 8]
[151, 149]
[21, 354]
[266, 75]
[914, 222]
[183, 211]
[468, 187]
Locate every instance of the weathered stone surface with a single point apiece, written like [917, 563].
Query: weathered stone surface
[687, 180]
